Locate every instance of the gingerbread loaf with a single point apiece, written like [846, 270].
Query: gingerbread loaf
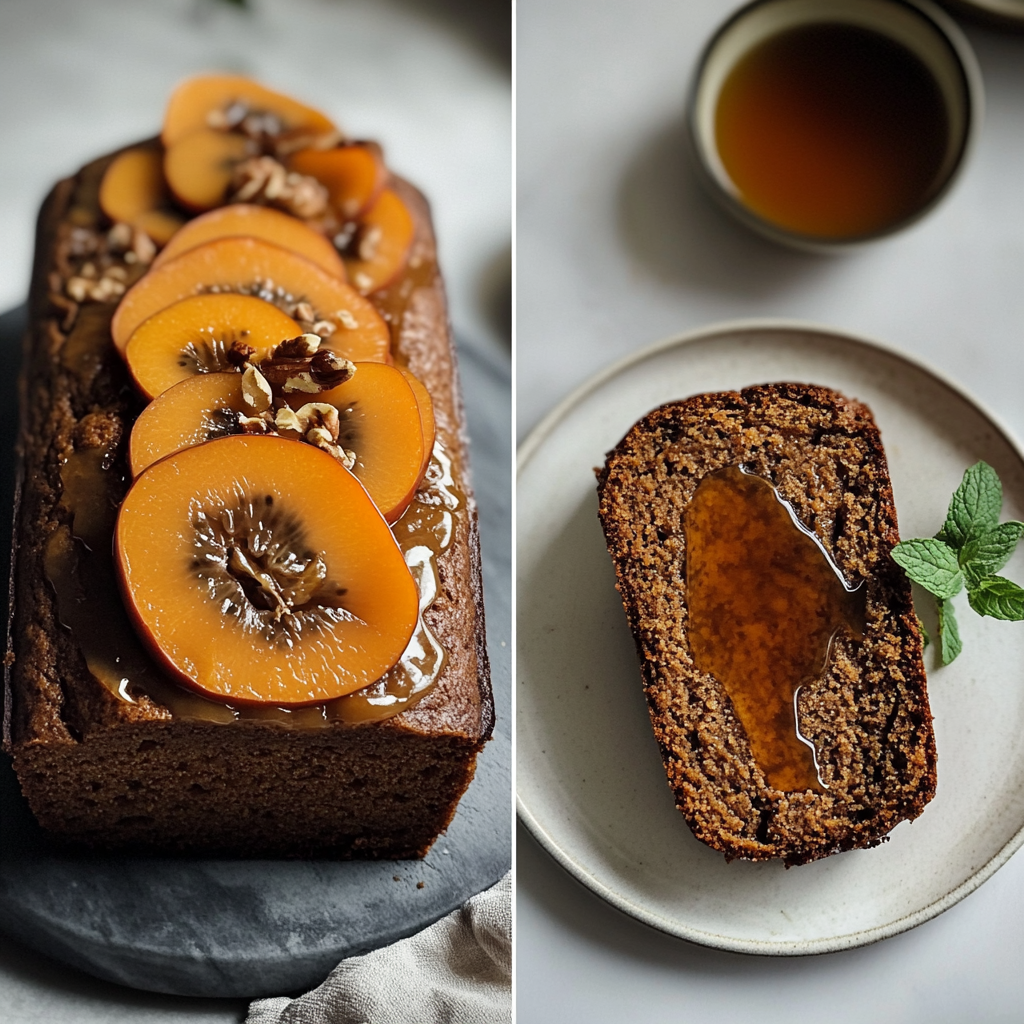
[110, 752]
[867, 715]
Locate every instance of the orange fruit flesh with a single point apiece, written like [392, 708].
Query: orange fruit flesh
[242, 219]
[133, 184]
[192, 336]
[249, 264]
[199, 166]
[392, 224]
[380, 422]
[426, 409]
[198, 617]
[353, 175]
[133, 191]
[379, 416]
[193, 100]
[183, 416]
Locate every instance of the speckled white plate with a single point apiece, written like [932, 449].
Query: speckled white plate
[590, 781]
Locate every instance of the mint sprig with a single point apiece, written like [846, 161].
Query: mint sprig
[969, 550]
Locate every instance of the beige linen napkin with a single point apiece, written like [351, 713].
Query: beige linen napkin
[457, 971]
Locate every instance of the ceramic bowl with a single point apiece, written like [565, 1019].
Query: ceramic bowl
[917, 25]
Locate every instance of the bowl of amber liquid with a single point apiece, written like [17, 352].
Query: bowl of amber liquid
[825, 124]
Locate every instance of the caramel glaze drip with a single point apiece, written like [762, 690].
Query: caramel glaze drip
[765, 604]
[80, 566]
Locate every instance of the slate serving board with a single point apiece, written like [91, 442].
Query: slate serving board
[252, 928]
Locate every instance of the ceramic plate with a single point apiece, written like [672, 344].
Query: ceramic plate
[590, 781]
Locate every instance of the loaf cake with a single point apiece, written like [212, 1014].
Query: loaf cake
[866, 714]
[112, 749]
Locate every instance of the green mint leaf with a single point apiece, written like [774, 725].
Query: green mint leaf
[932, 564]
[981, 556]
[975, 505]
[949, 633]
[998, 598]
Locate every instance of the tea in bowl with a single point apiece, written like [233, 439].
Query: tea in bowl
[825, 124]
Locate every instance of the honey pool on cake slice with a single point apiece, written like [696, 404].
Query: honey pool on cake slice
[751, 534]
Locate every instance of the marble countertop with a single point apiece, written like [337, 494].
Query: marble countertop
[617, 247]
[429, 78]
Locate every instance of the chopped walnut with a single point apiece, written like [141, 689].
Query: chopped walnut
[319, 416]
[239, 353]
[363, 282]
[254, 424]
[119, 237]
[256, 391]
[85, 286]
[262, 179]
[297, 348]
[347, 320]
[286, 421]
[308, 373]
[143, 247]
[343, 239]
[304, 311]
[329, 369]
[369, 240]
[323, 328]
[82, 242]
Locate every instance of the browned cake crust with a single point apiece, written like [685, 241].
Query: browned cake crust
[868, 716]
[109, 773]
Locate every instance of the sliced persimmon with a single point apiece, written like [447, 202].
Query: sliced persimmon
[258, 570]
[199, 166]
[250, 266]
[354, 175]
[245, 220]
[381, 244]
[380, 422]
[194, 410]
[377, 411]
[133, 191]
[426, 409]
[191, 104]
[132, 184]
[195, 336]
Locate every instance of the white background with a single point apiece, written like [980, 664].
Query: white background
[618, 247]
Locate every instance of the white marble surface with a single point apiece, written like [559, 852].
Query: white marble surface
[424, 76]
[617, 247]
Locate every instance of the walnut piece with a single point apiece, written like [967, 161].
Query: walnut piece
[256, 391]
[262, 179]
[293, 368]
